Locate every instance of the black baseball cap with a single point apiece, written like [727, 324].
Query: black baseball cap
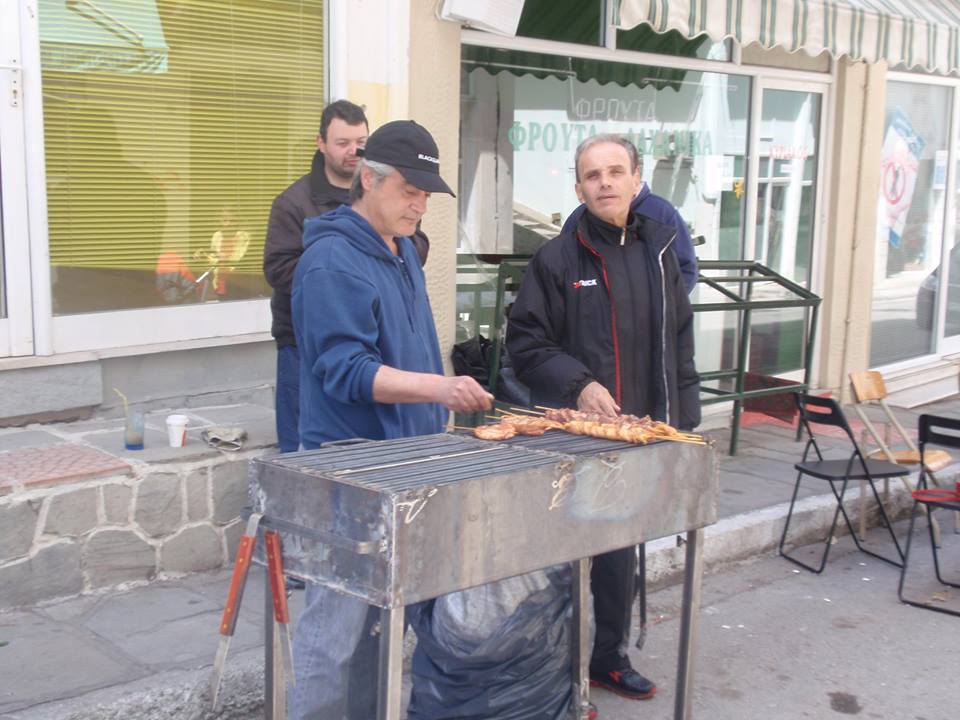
[411, 149]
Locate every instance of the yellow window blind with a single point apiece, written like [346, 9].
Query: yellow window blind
[169, 126]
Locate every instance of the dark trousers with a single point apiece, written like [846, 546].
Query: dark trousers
[613, 581]
[288, 398]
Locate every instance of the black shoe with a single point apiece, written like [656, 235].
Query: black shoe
[627, 683]
[292, 583]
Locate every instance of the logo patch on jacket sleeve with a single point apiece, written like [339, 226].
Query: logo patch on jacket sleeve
[585, 283]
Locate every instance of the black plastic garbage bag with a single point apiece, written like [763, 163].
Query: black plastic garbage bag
[472, 357]
[500, 651]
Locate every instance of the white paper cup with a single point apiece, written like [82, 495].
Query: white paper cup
[177, 430]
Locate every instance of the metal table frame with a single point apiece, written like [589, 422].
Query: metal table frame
[390, 695]
[744, 275]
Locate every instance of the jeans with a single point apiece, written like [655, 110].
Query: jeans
[335, 656]
[288, 398]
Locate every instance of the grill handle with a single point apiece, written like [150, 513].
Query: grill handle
[347, 441]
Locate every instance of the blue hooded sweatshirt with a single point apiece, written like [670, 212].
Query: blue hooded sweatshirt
[653, 206]
[357, 306]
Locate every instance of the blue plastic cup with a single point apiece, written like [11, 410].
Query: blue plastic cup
[133, 430]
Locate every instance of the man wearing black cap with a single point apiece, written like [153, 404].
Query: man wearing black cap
[343, 132]
[370, 368]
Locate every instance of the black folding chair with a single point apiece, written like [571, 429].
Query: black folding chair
[825, 411]
[932, 498]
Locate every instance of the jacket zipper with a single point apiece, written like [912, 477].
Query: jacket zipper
[613, 313]
[663, 325]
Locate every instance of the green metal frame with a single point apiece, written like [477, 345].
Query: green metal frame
[744, 275]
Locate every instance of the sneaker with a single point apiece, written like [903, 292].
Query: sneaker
[627, 683]
[292, 583]
[592, 713]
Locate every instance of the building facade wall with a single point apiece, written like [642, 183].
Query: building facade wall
[851, 223]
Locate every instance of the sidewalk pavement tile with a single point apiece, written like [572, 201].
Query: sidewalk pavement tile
[164, 625]
[19, 439]
[259, 422]
[746, 493]
[156, 446]
[38, 467]
[62, 661]
[190, 640]
[145, 608]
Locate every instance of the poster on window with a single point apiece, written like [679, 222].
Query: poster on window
[899, 162]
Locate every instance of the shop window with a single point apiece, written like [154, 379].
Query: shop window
[169, 127]
[911, 210]
[523, 115]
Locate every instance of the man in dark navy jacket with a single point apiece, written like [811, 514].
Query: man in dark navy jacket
[648, 204]
[370, 368]
[602, 322]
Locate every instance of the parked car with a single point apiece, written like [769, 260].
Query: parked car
[927, 296]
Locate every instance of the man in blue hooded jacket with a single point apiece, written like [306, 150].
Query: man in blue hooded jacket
[370, 368]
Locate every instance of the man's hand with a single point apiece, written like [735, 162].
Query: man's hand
[461, 393]
[595, 398]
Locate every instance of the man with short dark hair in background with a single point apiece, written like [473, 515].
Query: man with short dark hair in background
[343, 130]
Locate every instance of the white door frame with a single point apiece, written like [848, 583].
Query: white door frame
[16, 328]
[821, 178]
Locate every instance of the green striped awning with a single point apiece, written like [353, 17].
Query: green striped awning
[924, 33]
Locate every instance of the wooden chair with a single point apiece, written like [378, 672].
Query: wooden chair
[869, 389]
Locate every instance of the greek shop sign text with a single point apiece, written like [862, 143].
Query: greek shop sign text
[565, 137]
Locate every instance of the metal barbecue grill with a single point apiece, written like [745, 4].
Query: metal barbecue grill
[400, 521]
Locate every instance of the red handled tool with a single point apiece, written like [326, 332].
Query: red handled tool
[238, 584]
[281, 612]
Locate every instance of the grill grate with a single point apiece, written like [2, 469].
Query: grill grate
[412, 463]
[569, 444]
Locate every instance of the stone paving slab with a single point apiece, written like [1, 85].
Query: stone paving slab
[187, 642]
[18, 439]
[156, 446]
[117, 616]
[745, 493]
[258, 421]
[41, 466]
[45, 660]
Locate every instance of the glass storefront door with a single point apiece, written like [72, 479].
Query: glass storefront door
[788, 152]
[951, 324]
[911, 213]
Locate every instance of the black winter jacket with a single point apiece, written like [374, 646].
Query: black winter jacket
[561, 334]
[309, 196]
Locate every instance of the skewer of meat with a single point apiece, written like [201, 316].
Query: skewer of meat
[497, 432]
